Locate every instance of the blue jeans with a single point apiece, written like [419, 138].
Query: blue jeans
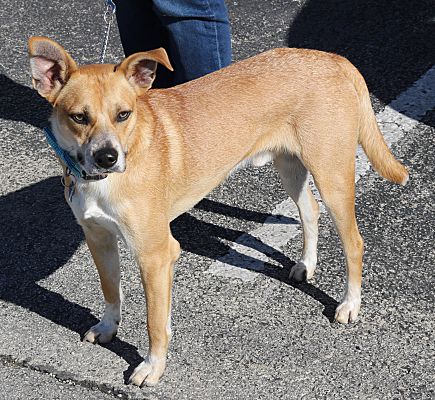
[195, 33]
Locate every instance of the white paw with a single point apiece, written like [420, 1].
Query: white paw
[300, 272]
[148, 372]
[103, 332]
[347, 311]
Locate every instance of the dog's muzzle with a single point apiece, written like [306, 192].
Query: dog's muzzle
[103, 154]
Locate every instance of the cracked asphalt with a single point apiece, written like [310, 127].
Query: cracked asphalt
[233, 339]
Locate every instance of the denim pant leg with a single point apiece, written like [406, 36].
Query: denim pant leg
[141, 30]
[199, 36]
[139, 27]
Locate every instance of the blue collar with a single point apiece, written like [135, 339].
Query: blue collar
[72, 167]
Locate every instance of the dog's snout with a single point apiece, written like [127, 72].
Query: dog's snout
[106, 157]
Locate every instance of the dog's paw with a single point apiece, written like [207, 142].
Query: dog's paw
[148, 372]
[300, 272]
[103, 332]
[347, 311]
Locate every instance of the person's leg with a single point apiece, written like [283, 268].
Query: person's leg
[141, 30]
[199, 36]
[139, 27]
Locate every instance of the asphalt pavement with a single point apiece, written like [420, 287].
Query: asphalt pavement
[261, 338]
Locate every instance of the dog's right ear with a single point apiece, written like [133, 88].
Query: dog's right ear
[51, 66]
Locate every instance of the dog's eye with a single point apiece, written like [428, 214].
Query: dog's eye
[123, 115]
[79, 118]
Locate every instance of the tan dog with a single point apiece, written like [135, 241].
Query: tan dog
[307, 110]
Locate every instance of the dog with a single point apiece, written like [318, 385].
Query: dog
[147, 156]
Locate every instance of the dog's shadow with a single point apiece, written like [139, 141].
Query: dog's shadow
[39, 235]
[207, 243]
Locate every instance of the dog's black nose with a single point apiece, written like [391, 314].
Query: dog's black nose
[106, 157]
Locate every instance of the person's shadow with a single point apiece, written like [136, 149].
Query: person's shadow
[379, 37]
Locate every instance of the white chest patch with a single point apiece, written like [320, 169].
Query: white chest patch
[91, 206]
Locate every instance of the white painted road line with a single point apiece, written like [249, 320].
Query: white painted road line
[250, 251]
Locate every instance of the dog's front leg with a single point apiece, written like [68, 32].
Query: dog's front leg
[104, 249]
[156, 267]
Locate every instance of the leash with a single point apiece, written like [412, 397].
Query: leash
[108, 19]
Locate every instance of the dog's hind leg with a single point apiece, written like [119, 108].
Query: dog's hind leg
[336, 184]
[104, 249]
[294, 177]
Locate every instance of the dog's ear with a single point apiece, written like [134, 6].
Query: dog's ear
[51, 66]
[140, 68]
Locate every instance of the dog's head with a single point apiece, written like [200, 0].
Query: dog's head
[94, 106]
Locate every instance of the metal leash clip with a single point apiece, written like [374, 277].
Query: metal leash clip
[109, 13]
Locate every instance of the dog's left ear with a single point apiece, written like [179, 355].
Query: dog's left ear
[140, 68]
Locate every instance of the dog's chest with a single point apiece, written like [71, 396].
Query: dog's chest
[92, 207]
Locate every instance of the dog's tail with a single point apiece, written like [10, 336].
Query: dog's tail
[370, 136]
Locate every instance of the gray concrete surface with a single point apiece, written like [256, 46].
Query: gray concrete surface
[266, 338]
